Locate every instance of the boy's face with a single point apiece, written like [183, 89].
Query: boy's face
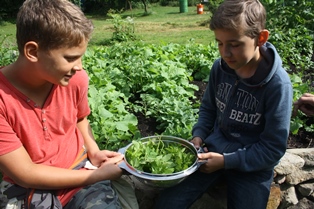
[57, 66]
[240, 52]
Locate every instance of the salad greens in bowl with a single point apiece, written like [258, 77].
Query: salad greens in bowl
[160, 161]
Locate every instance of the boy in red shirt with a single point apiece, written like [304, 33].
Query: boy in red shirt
[43, 113]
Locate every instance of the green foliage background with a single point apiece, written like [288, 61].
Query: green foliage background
[133, 78]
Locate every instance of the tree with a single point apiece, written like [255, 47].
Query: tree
[145, 6]
[129, 2]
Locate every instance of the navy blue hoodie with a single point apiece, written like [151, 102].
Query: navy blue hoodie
[247, 120]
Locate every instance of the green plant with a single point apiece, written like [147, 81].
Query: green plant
[213, 5]
[159, 157]
[113, 125]
[152, 77]
[292, 34]
[123, 28]
[8, 53]
[156, 80]
[299, 120]
[77, 2]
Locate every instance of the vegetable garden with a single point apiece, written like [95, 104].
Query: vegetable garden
[132, 80]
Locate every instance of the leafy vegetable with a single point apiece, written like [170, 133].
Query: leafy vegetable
[159, 157]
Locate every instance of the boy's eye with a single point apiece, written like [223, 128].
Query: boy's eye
[229, 45]
[71, 59]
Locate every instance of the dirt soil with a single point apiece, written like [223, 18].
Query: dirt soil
[302, 140]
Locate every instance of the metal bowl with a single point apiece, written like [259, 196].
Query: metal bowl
[161, 180]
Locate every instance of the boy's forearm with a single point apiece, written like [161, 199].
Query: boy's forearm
[89, 141]
[48, 177]
[29, 175]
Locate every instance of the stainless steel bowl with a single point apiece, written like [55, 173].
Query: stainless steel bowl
[161, 180]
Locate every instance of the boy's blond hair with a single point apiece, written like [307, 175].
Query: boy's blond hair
[246, 16]
[52, 24]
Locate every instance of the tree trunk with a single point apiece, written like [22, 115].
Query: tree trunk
[128, 2]
[145, 6]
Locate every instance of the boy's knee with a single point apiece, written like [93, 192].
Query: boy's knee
[99, 195]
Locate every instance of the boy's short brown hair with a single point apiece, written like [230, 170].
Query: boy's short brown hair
[52, 24]
[248, 16]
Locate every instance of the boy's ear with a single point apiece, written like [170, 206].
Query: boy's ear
[263, 37]
[30, 51]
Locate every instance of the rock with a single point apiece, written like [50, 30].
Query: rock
[280, 179]
[311, 197]
[292, 188]
[307, 154]
[289, 163]
[274, 197]
[298, 176]
[288, 196]
[306, 188]
[303, 204]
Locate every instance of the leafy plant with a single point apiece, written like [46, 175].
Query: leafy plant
[113, 125]
[300, 120]
[8, 53]
[123, 28]
[159, 157]
[292, 34]
[128, 79]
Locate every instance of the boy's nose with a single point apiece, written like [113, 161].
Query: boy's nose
[78, 65]
[226, 52]
[77, 68]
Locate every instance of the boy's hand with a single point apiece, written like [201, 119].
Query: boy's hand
[198, 143]
[305, 103]
[104, 156]
[215, 161]
[110, 169]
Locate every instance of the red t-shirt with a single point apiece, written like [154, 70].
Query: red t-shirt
[49, 134]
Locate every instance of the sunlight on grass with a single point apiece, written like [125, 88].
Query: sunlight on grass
[162, 25]
[7, 33]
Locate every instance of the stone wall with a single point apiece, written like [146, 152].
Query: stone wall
[295, 177]
[292, 187]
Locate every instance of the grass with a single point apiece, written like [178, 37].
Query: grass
[7, 34]
[161, 25]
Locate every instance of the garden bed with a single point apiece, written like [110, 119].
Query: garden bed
[302, 139]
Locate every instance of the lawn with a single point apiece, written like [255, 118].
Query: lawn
[7, 34]
[161, 25]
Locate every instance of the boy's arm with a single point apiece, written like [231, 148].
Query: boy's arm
[20, 168]
[86, 131]
[273, 140]
[96, 156]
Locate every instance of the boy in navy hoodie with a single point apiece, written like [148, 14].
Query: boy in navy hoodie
[245, 113]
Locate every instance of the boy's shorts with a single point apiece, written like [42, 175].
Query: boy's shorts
[98, 195]
[105, 195]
